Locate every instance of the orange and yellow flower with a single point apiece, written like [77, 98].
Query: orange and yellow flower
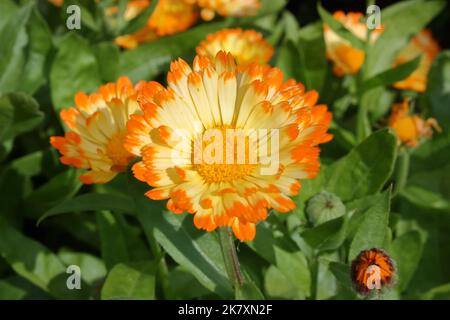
[209, 8]
[422, 45]
[97, 131]
[245, 45]
[218, 95]
[169, 17]
[346, 58]
[410, 128]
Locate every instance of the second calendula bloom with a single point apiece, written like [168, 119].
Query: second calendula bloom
[209, 8]
[97, 129]
[185, 132]
[410, 128]
[422, 45]
[245, 45]
[169, 17]
[346, 58]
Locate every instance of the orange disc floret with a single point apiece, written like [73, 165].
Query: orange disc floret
[209, 8]
[372, 269]
[245, 45]
[425, 46]
[346, 58]
[97, 129]
[202, 139]
[410, 128]
[169, 17]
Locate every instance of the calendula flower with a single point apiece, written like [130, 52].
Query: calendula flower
[372, 269]
[427, 48]
[346, 58]
[169, 17]
[97, 131]
[186, 138]
[410, 128]
[209, 8]
[246, 46]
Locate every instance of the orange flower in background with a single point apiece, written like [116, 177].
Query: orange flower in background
[177, 133]
[245, 45]
[347, 59]
[410, 128]
[169, 17]
[97, 130]
[422, 45]
[209, 8]
[57, 3]
[372, 269]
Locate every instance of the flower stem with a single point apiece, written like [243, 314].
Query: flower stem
[230, 257]
[402, 172]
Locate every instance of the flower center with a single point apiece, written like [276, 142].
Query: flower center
[115, 151]
[213, 163]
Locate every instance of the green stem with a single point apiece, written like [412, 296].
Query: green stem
[163, 271]
[314, 266]
[230, 257]
[402, 172]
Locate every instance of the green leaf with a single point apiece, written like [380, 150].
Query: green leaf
[197, 251]
[91, 202]
[19, 113]
[365, 169]
[342, 274]
[295, 268]
[249, 290]
[425, 198]
[8, 8]
[287, 59]
[40, 44]
[28, 165]
[14, 39]
[113, 243]
[35, 262]
[402, 20]
[437, 293]
[108, 55]
[148, 60]
[339, 28]
[391, 76]
[311, 60]
[438, 89]
[130, 281]
[406, 251]
[278, 286]
[92, 268]
[327, 236]
[271, 6]
[291, 26]
[10, 292]
[60, 188]
[285, 255]
[74, 69]
[371, 233]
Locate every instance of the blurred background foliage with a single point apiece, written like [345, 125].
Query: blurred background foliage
[129, 247]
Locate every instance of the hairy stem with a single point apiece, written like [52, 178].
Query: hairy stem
[230, 257]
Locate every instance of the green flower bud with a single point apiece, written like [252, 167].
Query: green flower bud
[323, 207]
